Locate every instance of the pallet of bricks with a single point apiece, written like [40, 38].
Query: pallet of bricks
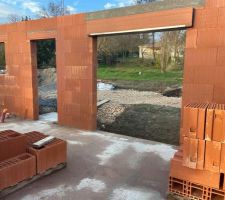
[198, 167]
[20, 161]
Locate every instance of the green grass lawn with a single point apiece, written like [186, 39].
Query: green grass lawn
[124, 72]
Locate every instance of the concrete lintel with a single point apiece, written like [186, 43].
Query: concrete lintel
[42, 34]
[140, 30]
[138, 9]
[3, 38]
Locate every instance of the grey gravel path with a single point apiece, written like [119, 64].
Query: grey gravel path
[139, 97]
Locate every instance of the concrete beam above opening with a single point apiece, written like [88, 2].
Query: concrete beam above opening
[140, 30]
[179, 18]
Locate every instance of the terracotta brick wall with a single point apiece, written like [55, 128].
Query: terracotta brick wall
[76, 69]
[16, 90]
[76, 59]
[76, 62]
[204, 66]
[204, 55]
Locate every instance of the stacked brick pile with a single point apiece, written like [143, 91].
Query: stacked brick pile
[20, 161]
[198, 167]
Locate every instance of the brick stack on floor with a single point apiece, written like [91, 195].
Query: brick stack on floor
[198, 167]
[20, 161]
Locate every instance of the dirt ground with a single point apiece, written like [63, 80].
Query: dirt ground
[151, 122]
[142, 114]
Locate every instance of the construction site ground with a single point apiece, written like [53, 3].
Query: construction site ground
[101, 165]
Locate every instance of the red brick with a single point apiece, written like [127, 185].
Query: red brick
[201, 154]
[11, 144]
[211, 17]
[49, 156]
[202, 177]
[206, 38]
[215, 128]
[215, 3]
[200, 57]
[218, 94]
[190, 152]
[194, 116]
[222, 163]
[191, 38]
[221, 18]
[219, 125]
[199, 93]
[221, 57]
[17, 169]
[209, 123]
[190, 122]
[212, 156]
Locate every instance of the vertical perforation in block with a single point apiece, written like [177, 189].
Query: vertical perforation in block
[221, 180]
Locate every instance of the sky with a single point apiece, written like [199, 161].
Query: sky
[31, 7]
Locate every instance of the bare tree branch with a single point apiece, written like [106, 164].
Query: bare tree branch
[14, 18]
[53, 9]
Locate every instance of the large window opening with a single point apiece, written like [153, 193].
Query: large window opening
[2, 58]
[47, 79]
[140, 84]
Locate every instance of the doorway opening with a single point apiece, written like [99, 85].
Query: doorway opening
[140, 84]
[2, 58]
[47, 79]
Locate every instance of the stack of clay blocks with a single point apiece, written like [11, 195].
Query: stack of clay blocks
[198, 167]
[19, 161]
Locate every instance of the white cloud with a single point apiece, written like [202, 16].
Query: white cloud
[6, 10]
[9, 7]
[71, 9]
[109, 5]
[32, 6]
[118, 3]
[9, 2]
[122, 3]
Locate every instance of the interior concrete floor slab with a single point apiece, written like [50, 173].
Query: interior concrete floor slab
[101, 166]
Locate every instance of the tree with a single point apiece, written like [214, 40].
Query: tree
[46, 53]
[172, 44]
[165, 51]
[13, 18]
[53, 9]
[113, 48]
[2, 56]
[153, 33]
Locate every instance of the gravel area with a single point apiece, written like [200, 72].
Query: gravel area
[109, 112]
[139, 97]
[142, 114]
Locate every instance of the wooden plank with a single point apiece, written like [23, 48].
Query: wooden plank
[41, 143]
[100, 103]
[21, 185]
